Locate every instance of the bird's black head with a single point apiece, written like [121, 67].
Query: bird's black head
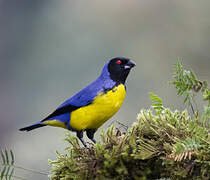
[119, 68]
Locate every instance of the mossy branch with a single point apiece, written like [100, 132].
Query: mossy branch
[161, 144]
[155, 146]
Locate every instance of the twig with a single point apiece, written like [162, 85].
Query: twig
[17, 177]
[123, 125]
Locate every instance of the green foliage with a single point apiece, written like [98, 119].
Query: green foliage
[7, 163]
[156, 146]
[157, 103]
[206, 96]
[162, 144]
[188, 85]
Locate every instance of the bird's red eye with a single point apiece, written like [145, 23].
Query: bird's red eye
[119, 62]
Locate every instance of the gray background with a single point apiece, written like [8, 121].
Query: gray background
[50, 49]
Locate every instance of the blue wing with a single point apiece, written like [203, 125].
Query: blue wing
[83, 97]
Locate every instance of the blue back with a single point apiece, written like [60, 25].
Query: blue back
[83, 97]
[87, 95]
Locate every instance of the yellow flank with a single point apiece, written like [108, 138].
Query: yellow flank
[104, 106]
[55, 122]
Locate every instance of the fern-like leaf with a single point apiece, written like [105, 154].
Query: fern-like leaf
[188, 85]
[7, 164]
[184, 149]
[157, 103]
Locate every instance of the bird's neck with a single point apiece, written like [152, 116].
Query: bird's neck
[117, 78]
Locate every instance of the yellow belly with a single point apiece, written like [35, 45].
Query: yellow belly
[103, 107]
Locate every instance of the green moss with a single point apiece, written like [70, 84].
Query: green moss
[156, 146]
[161, 144]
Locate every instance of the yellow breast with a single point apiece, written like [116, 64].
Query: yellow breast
[104, 106]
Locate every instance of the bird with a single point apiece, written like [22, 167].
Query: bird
[92, 106]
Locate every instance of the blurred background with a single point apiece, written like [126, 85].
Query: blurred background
[51, 49]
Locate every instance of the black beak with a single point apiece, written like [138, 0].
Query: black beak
[130, 64]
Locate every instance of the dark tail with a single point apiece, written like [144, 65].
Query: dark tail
[34, 126]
